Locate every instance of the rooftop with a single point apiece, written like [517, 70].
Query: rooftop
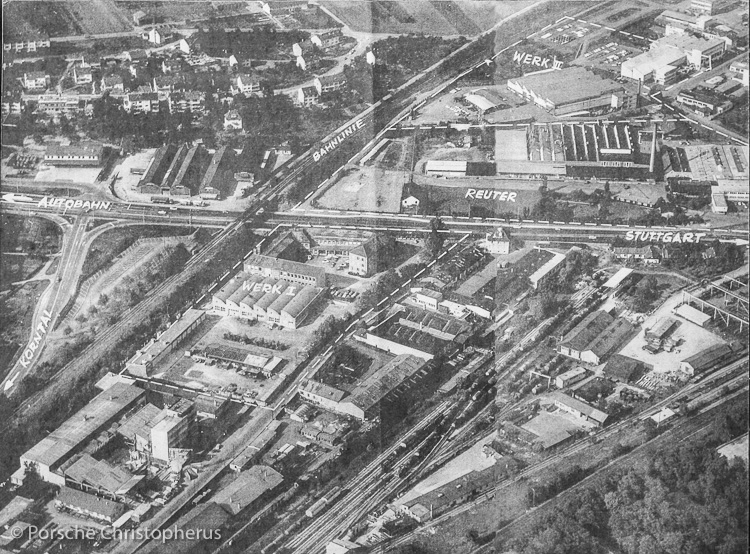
[81, 149]
[387, 378]
[320, 389]
[587, 330]
[98, 473]
[59, 445]
[622, 368]
[580, 406]
[247, 488]
[141, 422]
[705, 358]
[90, 503]
[285, 266]
[568, 85]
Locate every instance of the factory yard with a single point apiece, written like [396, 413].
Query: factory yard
[692, 339]
[364, 189]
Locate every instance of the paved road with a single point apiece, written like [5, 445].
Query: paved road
[51, 302]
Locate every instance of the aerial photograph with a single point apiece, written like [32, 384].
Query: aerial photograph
[374, 276]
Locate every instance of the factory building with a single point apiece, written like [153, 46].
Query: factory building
[573, 90]
[661, 63]
[48, 455]
[146, 359]
[363, 402]
[266, 298]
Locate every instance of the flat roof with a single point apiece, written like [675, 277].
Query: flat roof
[652, 60]
[320, 389]
[511, 145]
[568, 85]
[288, 266]
[692, 314]
[618, 278]
[84, 424]
[556, 260]
[81, 149]
[550, 428]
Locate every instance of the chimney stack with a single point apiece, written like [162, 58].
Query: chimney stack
[653, 150]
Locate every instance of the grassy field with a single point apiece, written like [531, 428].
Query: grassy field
[432, 17]
[64, 18]
[110, 244]
[169, 11]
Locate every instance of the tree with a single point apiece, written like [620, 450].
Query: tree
[646, 293]
[434, 243]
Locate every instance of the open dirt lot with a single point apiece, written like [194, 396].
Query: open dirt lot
[83, 175]
[694, 339]
[471, 460]
[367, 189]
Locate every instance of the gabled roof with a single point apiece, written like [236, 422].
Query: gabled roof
[90, 503]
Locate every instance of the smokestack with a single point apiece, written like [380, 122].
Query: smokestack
[653, 150]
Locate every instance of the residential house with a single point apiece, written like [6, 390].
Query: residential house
[307, 96]
[232, 121]
[82, 75]
[330, 83]
[172, 65]
[165, 84]
[191, 101]
[497, 242]
[648, 254]
[147, 102]
[36, 80]
[112, 83]
[327, 39]
[156, 35]
[136, 55]
[87, 60]
[246, 84]
[58, 104]
[28, 44]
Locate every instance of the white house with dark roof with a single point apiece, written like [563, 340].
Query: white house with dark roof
[112, 83]
[307, 96]
[145, 102]
[82, 75]
[326, 39]
[330, 83]
[232, 121]
[246, 84]
[36, 80]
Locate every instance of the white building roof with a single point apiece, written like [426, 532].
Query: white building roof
[614, 281]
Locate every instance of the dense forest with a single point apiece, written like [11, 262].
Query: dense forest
[689, 500]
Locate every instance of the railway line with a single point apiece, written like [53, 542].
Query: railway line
[740, 381]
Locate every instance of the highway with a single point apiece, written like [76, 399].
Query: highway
[52, 300]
